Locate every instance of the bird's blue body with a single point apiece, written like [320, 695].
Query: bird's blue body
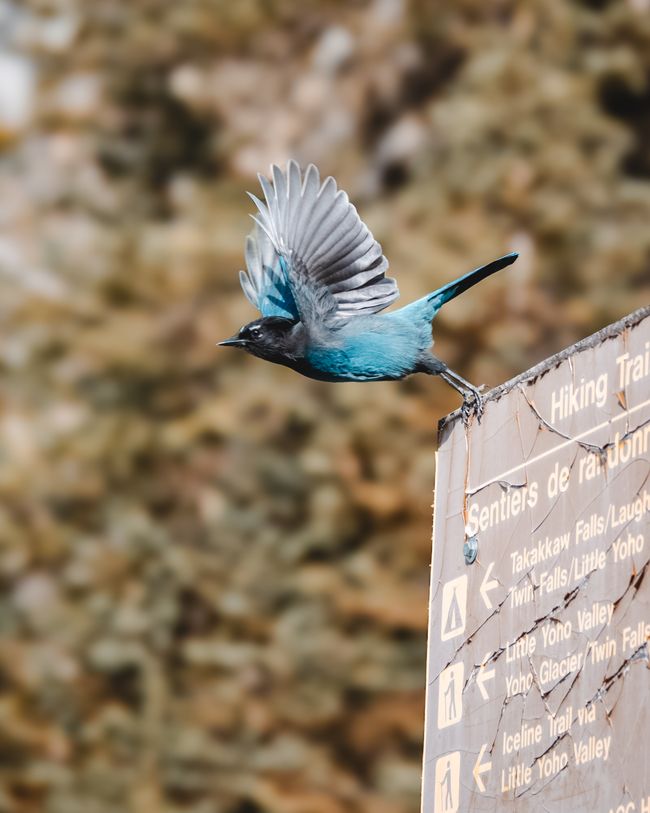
[317, 275]
[377, 347]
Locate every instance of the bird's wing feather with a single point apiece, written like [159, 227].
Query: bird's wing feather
[265, 282]
[335, 267]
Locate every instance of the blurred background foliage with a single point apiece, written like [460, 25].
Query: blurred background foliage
[213, 572]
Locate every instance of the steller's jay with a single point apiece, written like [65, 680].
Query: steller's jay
[317, 275]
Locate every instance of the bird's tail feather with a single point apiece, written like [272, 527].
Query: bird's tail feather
[452, 289]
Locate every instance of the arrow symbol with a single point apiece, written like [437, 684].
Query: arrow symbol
[479, 769]
[488, 584]
[483, 675]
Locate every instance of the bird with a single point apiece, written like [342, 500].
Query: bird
[318, 277]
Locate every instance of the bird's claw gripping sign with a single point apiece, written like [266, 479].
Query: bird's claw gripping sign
[538, 684]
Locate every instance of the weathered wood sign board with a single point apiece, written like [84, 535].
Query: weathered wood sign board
[538, 684]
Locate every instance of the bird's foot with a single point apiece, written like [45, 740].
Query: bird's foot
[472, 405]
[472, 399]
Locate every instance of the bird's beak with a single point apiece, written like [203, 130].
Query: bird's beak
[233, 341]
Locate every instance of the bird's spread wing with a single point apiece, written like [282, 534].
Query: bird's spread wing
[266, 282]
[334, 266]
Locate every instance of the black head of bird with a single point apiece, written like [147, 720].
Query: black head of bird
[271, 338]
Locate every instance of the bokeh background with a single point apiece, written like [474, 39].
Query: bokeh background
[213, 573]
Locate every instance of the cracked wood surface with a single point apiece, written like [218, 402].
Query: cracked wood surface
[553, 617]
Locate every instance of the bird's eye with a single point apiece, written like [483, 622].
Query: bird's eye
[250, 332]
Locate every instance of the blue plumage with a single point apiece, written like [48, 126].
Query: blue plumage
[317, 276]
